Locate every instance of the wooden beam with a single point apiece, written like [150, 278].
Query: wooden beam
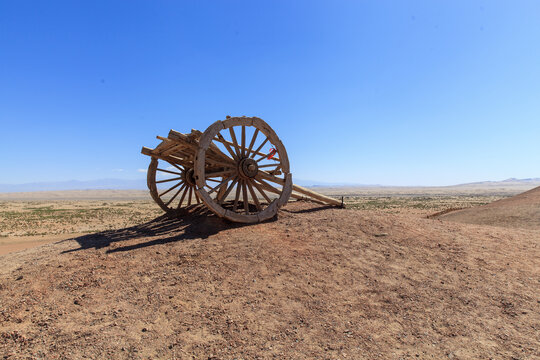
[302, 190]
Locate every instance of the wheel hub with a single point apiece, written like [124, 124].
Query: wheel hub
[248, 167]
[189, 177]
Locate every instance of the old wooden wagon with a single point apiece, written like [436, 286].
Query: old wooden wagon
[238, 168]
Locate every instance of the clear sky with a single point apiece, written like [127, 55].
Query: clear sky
[370, 92]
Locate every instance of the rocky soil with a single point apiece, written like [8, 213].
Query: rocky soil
[315, 283]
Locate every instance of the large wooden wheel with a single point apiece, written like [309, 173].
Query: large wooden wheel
[172, 186]
[255, 181]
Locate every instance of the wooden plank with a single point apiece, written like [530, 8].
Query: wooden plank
[146, 151]
[315, 195]
[310, 193]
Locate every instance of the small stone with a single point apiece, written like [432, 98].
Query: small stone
[144, 329]
[20, 278]
[381, 234]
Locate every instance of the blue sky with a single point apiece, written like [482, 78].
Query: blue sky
[378, 92]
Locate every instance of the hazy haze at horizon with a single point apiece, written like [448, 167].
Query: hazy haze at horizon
[390, 93]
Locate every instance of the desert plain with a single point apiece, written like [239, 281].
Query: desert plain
[401, 273]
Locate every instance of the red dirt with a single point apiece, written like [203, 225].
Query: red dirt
[316, 283]
[520, 211]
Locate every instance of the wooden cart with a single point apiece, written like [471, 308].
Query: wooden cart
[238, 168]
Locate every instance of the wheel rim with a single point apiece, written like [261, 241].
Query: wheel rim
[255, 182]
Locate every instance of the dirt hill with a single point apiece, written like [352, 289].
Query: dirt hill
[316, 283]
[520, 211]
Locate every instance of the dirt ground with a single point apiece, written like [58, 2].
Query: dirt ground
[315, 283]
[25, 224]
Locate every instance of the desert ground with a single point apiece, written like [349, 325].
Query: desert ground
[393, 276]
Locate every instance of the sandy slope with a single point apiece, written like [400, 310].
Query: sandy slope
[520, 211]
[11, 244]
[316, 283]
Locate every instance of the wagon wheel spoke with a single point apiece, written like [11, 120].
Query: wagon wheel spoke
[178, 167]
[171, 188]
[175, 195]
[221, 198]
[254, 196]
[221, 184]
[189, 196]
[237, 196]
[259, 148]
[182, 198]
[216, 152]
[253, 139]
[258, 187]
[167, 180]
[270, 165]
[235, 143]
[268, 187]
[243, 141]
[197, 197]
[244, 192]
[247, 152]
[169, 171]
[265, 157]
[263, 175]
[222, 140]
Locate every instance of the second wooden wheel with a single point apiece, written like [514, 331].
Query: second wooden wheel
[172, 186]
[256, 180]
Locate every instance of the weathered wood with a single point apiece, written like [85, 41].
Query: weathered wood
[254, 196]
[198, 153]
[310, 194]
[258, 187]
[221, 197]
[257, 152]
[238, 150]
[146, 151]
[276, 191]
[191, 142]
[315, 195]
[245, 194]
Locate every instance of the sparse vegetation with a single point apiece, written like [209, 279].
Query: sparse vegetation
[427, 203]
[20, 218]
[61, 217]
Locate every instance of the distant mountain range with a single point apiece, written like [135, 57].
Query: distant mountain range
[101, 184]
[140, 184]
[507, 182]
[116, 184]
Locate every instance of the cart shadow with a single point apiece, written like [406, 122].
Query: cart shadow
[197, 223]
